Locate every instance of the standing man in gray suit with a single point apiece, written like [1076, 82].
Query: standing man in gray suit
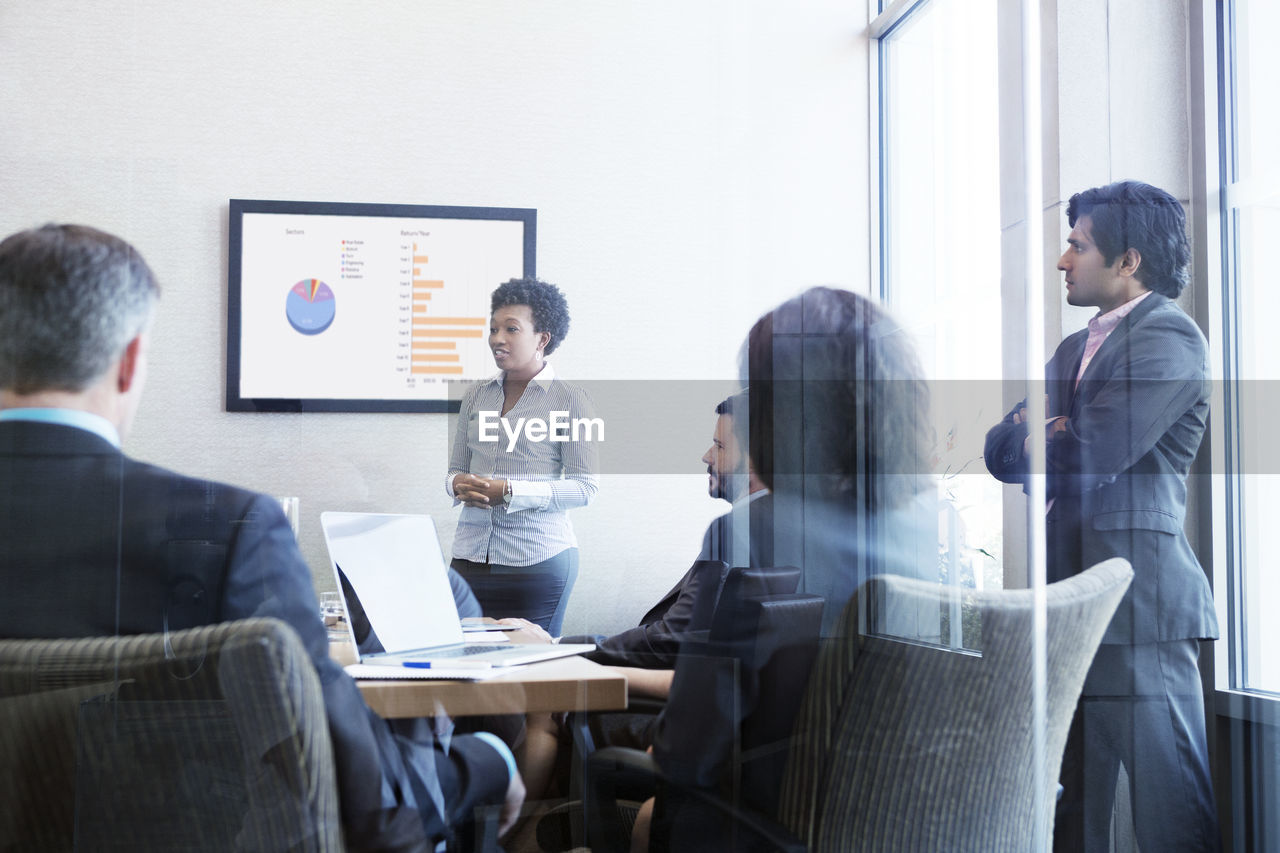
[1126, 408]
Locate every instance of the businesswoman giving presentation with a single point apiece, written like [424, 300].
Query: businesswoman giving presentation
[524, 453]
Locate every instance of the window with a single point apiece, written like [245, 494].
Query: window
[1251, 219]
[940, 248]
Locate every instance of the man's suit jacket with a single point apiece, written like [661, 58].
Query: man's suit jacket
[93, 543]
[1117, 476]
[654, 643]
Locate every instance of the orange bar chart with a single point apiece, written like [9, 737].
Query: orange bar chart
[435, 337]
[444, 333]
[439, 370]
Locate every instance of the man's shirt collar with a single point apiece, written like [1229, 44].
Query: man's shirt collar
[77, 418]
[1104, 323]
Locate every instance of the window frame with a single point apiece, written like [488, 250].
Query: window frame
[1217, 223]
[885, 21]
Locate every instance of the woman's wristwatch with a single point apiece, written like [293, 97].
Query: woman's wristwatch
[506, 492]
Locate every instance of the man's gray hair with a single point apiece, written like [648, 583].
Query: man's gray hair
[71, 299]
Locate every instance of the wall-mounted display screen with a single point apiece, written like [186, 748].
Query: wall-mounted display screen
[339, 307]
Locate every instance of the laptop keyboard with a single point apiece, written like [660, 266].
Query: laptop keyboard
[474, 650]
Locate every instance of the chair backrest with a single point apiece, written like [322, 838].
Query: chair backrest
[742, 585]
[781, 658]
[907, 746]
[736, 585]
[734, 699]
[212, 738]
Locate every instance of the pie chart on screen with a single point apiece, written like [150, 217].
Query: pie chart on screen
[310, 306]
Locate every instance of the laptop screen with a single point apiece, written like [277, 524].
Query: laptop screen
[393, 579]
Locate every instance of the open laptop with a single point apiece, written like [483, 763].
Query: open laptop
[400, 607]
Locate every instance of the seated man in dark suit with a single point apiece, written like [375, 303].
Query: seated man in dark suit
[653, 643]
[94, 543]
[647, 652]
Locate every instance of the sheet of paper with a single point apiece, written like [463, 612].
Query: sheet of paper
[399, 673]
[487, 637]
[482, 624]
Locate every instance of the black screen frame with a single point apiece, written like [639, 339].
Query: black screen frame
[238, 207]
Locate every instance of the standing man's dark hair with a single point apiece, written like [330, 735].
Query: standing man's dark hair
[1138, 216]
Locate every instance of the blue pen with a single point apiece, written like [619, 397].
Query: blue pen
[460, 664]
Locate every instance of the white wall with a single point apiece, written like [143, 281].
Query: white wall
[692, 163]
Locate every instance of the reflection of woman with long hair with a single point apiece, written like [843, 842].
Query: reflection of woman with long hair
[839, 432]
[841, 435]
[514, 543]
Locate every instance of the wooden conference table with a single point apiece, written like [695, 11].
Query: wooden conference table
[564, 684]
[572, 684]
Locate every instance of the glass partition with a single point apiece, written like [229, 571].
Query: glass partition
[940, 258]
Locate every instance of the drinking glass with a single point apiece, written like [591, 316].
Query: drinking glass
[290, 507]
[331, 612]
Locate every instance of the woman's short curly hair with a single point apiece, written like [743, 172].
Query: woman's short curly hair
[546, 303]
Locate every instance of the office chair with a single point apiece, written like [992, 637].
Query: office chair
[212, 738]
[712, 579]
[731, 709]
[902, 745]
[717, 611]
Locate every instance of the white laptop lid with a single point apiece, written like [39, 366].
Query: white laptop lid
[395, 565]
